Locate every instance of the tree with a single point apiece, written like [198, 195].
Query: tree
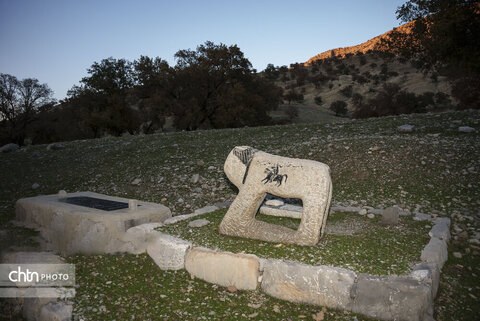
[19, 102]
[339, 107]
[214, 83]
[109, 76]
[271, 72]
[442, 31]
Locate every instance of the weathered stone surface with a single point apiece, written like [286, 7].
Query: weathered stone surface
[421, 217]
[195, 178]
[198, 223]
[200, 211]
[282, 211]
[435, 251]
[392, 298]
[405, 128]
[168, 251]
[390, 216]
[466, 129]
[139, 236]
[9, 148]
[274, 202]
[429, 274]
[206, 209]
[441, 231]
[352, 209]
[56, 311]
[55, 146]
[442, 220]
[69, 228]
[319, 285]
[224, 268]
[256, 173]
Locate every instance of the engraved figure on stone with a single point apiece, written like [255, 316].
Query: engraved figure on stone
[257, 173]
[274, 176]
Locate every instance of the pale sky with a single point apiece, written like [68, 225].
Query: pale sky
[56, 41]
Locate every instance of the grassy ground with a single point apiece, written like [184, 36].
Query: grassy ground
[433, 170]
[401, 245]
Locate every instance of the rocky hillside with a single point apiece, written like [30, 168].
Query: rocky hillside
[358, 73]
[373, 44]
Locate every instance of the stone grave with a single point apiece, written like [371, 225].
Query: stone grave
[86, 222]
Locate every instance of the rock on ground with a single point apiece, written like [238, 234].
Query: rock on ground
[224, 268]
[9, 148]
[390, 216]
[198, 223]
[405, 128]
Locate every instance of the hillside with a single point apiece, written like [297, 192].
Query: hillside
[323, 81]
[433, 170]
[373, 44]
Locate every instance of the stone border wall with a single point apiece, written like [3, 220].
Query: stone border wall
[406, 297]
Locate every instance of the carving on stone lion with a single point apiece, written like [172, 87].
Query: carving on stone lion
[257, 173]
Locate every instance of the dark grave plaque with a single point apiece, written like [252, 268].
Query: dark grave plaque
[97, 203]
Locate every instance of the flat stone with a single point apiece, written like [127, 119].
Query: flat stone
[405, 128]
[376, 211]
[55, 146]
[195, 178]
[140, 235]
[458, 255]
[362, 212]
[392, 298]
[9, 148]
[56, 311]
[442, 220]
[427, 273]
[390, 216]
[282, 211]
[370, 215]
[35, 186]
[301, 283]
[136, 182]
[224, 268]
[206, 209]
[435, 251]
[466, 129]
[440, 230]
[421, 217]
[222, 204]
[198, 223]
[352, 209]
[274, 202]
[200, 211]
[168, 251]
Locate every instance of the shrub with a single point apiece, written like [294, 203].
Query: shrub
[347, 91]
[339, 107]
[318, 100]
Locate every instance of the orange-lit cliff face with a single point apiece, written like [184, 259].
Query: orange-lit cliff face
[372, 44]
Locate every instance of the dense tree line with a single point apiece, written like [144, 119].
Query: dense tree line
[213, 86]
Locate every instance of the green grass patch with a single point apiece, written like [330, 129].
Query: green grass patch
[353, 242]
[132, 287]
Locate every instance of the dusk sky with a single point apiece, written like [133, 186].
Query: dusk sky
[57, 41]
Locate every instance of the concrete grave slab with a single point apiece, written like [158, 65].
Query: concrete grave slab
[73, 228]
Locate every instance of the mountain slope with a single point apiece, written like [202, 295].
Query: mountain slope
[374, 44]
